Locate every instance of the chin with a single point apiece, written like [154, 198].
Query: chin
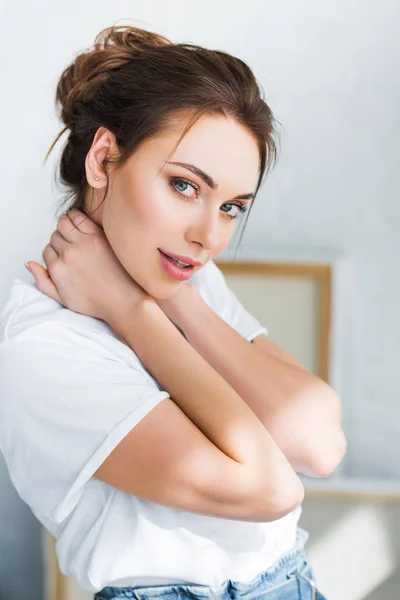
[162, 291]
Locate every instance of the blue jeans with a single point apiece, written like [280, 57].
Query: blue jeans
[289, 578]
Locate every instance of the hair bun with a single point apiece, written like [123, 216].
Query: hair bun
[113, 48]
[132, 39]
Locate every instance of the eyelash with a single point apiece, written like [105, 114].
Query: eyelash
[242, 208]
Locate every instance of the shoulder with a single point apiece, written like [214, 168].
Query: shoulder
[44, 340]
[29, 314]
[210, 283]
[69, 393]
[25, 306]
[215, 291]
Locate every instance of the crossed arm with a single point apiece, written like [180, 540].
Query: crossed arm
[300, 411]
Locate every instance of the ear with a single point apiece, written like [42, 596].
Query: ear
[103, 144]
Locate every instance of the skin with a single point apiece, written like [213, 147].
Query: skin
[107, 264]
[119, 261]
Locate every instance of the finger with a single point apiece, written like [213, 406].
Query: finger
[43, 281]
[83, 222]
[67, 229]
[49, 255]
[58, 242]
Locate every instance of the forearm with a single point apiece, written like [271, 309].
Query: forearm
[302, 417]
[202, 393]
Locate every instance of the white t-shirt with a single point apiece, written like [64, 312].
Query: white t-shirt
[70, 391]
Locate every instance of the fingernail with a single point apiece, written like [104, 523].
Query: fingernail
[28, 267]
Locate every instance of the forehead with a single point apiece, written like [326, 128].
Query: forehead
[218, 145]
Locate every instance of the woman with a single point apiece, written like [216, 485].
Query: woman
[156, 444]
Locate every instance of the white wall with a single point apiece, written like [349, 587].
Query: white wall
[331, 74]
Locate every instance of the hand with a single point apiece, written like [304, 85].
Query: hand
[83, 272]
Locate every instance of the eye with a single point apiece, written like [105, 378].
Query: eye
[241, 209]
[178, 181]
[182, 182]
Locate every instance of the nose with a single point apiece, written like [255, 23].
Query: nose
[206, 229]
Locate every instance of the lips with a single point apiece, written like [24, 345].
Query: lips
[174, 260]
[177, 264]
[184, 259]
[174, 270]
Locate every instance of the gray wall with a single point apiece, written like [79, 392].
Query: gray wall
[331, 74]
[354, 546]
[21, 559]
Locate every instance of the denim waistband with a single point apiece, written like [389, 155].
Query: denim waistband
[286, 567]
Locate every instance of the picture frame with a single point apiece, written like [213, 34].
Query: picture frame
[293, 301]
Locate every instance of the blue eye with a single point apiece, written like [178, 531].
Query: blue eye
[241, 208]
[185, 182]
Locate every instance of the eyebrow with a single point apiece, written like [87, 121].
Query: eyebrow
[208, 179]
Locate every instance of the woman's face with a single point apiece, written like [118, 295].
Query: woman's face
[154, 206]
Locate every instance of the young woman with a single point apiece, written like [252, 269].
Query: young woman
[157, 445]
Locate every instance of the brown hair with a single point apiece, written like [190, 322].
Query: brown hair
[134, 82]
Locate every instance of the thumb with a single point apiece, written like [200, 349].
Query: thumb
[43, 281]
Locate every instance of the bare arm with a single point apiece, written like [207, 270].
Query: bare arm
[300, 411]
[202, 450]
[255, 468]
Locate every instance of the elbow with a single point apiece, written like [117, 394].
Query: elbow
[291, 500]
[285, 500]
[287, 503]
[327, 442]
[325, 462]
[276, 495]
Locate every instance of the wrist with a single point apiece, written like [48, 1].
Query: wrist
[190, 317]
[141, 323]
[127, 306]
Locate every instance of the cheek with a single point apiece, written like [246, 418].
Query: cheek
[139, 215]
[155, 205]
[227, 234]
[133, 206]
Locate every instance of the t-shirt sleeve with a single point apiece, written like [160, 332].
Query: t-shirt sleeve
[66, 402]
[222, 299]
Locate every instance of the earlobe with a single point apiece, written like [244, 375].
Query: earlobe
[95, 174]
[103, 143]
